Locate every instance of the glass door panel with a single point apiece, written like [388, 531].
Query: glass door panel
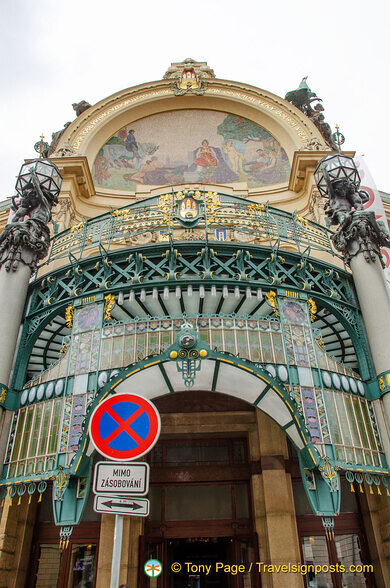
[348, 554]
[315, 552]
[245, 555]
[153, 550]
[82, 567]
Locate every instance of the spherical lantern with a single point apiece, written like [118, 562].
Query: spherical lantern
[335, 168]
[46, 172]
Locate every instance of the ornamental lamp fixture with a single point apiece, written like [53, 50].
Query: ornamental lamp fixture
[42, 170]
[335, 168]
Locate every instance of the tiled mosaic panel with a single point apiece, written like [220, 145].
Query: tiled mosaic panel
[322, 416]
[76, 420]
[65, 424]
[310, 412]
[87, 318]
[214, 149]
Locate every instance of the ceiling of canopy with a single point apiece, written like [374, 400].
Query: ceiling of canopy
[192, 301]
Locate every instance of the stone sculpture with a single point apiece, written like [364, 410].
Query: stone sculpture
[26, 238]
[357, 231]
[303, 98]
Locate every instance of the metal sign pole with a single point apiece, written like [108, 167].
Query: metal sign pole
[116, 553]
[111, 480]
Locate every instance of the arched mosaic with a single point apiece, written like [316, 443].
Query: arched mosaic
[202, 146]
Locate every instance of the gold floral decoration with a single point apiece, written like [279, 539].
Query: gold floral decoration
[312, 309]
[212, 203]
[108, 306]
[165, 204]
[69, 315]
[329, 473]
[60, 483]
[272, 301]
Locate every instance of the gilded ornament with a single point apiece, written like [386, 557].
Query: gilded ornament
[60, 483]
[256, 208]
[328, 524]
[3, 395]
[189, 365]
[69, 315]
[108, 306]
[329, 473]
[272, 301]
[76, 228]
[312, 309]
[189, 76]
[212, 204]
[302, 221]
[63, 349]
[120, 213]
[165, 204]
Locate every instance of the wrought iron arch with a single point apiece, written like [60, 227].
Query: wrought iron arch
[350, 319]
[271, 392]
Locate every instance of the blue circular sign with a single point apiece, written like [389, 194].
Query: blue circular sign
[124, 427]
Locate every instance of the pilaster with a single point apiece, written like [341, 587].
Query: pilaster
[274, 509]
[132, 529]
[376, 518]
[103, 572]
[16, 532]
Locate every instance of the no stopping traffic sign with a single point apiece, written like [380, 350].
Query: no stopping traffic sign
[124, 427]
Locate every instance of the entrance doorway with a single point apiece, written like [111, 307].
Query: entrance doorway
[204, 562]
[200, 496]
[199, 559]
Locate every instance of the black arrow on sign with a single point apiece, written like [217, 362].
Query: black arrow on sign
[111, 504]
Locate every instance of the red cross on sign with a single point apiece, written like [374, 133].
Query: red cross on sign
[124, 427]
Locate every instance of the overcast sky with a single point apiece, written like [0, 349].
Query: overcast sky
[54, 53]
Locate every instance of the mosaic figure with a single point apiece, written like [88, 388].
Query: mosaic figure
[215, 147]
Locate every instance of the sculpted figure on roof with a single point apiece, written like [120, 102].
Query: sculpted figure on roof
[303, 99]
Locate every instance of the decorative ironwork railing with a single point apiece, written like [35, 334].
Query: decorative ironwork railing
[191, 215]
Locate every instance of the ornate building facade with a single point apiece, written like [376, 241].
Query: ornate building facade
[189, 211]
